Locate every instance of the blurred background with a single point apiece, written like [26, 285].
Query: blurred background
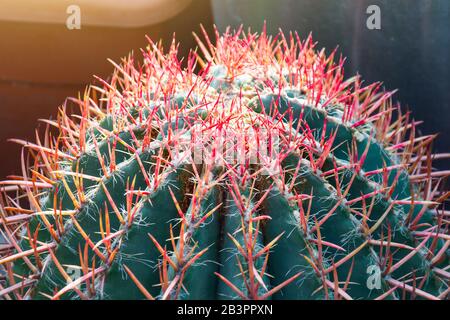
[42, 61]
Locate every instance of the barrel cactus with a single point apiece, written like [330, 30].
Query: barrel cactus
[251, 169]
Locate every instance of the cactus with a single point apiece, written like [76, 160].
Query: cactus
[250, 170]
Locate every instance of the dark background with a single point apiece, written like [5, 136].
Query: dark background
[42, 64]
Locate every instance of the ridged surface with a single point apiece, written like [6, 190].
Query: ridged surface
[115, 205]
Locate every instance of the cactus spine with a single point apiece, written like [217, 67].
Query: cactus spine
[328, 194]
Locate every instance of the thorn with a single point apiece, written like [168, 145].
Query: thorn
[399, 284]
[280, 286]
[138, 284]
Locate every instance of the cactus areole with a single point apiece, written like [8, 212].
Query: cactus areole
[250, 169]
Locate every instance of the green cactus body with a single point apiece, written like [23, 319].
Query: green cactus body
[124, 208]
[236, 224]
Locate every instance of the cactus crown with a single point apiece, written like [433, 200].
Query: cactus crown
[254, 171]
